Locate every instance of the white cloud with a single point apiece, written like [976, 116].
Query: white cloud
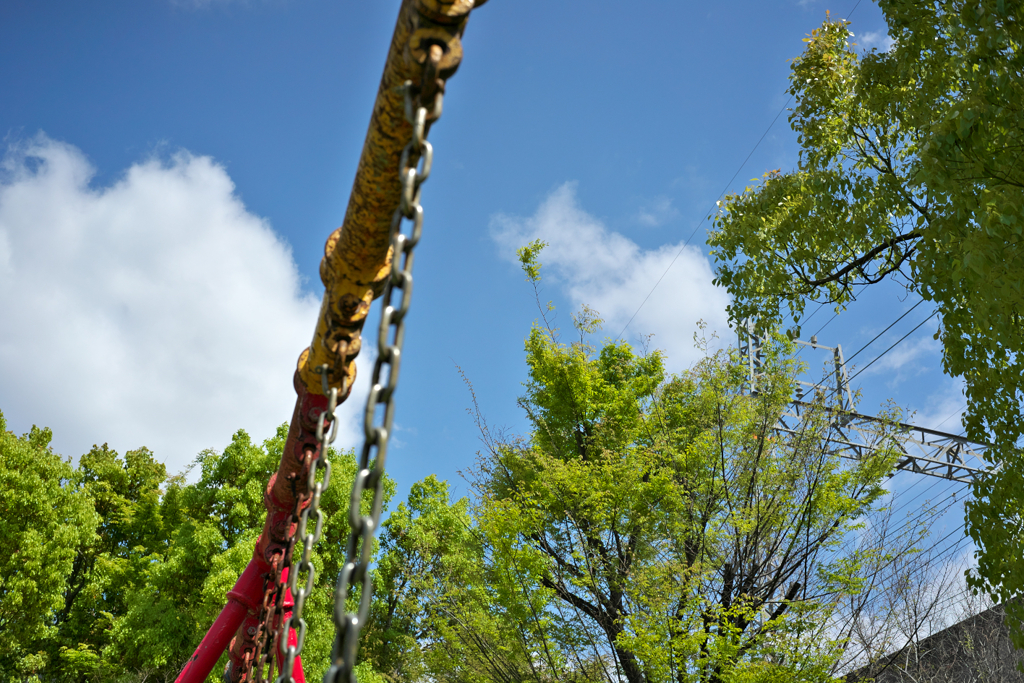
[157, 311]
[875, 40]
[903, 360]
[942, 409]
[613, 275]
[657, 212]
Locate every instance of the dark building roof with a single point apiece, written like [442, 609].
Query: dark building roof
[976, 650]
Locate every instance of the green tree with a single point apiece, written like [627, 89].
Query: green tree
[125, 494]
[673, 533]
[213, 525]
[648, 528]
[112, 571]
[909, 168]
[429, 558]
[442, 610]
[44, 518]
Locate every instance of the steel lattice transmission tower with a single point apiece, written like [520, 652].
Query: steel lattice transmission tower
[856, 436]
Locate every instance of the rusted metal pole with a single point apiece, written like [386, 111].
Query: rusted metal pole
[354, 271]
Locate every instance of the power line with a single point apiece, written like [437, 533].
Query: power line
[883, 580]
[944, 554]
[807, 319]
[910, 495]
[720, 195]
[885, 330]
[953, 492]
[913, 493]
[893, 346]
[827, 323]
[901, 532]
[937, 605]
[845, 383]
[952, 415]
[813, 313]
[930, 560]
[707, 213]
[904, 530]
[944, 493]
[941, 506]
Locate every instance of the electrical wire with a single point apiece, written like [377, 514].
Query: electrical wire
[893, 346]
[884, 331]
[902, 532]
[942, 505]
[952, 415]
[944, 493]
[720, 195]
[813, 313]
[884, 578]
[887, 583]
[939, 605]
[706, 215]
[834, 316]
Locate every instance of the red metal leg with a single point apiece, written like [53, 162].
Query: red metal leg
[293, 639]
[247, 592]
[286, 486]
[243, 605]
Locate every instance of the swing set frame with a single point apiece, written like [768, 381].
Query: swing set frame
[425, 51]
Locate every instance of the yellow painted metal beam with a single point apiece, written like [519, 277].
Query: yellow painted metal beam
[357, 256]
[355, 267]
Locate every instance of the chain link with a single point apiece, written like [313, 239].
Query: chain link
[272, 608]
[390, 336]
[308, 540]
[270, 614]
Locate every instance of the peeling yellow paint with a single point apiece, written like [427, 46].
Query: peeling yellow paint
[357, 256]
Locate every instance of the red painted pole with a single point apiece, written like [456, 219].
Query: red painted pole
[248, 591]
[293, 639]
[246, 598]
[244, 601]
[213, 645]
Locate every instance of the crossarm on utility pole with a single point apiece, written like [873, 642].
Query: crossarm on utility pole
[855, 436]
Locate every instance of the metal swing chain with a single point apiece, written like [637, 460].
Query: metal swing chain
[370, 474]
[308, 540]
[270, 613]
[272, 607]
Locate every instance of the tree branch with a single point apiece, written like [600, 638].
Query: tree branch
[865, 259]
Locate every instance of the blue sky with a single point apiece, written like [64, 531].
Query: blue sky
[172, 168]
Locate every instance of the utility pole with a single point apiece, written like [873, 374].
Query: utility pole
[855, 436]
